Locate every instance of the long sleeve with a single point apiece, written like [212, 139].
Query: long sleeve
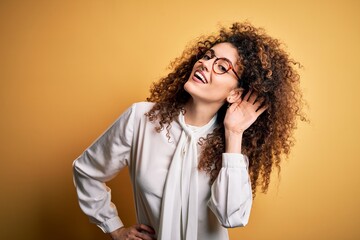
[231, 196]
[100, 163]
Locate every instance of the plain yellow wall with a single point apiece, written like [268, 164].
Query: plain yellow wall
[69, 68]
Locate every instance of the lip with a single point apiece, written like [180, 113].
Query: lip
[198, 80]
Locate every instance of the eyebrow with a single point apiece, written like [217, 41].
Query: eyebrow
[213, 53]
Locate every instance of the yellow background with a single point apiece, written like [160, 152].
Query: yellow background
[69, 68]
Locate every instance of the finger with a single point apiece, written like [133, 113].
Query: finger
[261, 110]
[143, 227]
[253, 97]
[234, 105]
[144, 236]
[258, 102]
[246, 98]
[136, 238]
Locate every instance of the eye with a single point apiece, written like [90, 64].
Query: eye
[222, 66]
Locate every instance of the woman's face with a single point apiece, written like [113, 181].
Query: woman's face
[207, 86]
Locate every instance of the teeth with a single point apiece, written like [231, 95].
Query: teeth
[199, 76]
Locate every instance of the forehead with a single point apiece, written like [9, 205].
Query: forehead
[226, 50]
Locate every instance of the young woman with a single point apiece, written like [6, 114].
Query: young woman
[211, 132]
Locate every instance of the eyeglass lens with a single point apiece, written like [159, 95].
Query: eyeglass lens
[220, 65]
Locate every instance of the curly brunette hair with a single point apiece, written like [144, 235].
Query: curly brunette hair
[266, 69]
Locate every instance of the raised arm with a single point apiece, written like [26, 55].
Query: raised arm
[231, 194]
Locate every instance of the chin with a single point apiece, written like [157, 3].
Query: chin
[186, 86]
[192, 88]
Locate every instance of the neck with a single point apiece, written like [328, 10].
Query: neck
[199, 113]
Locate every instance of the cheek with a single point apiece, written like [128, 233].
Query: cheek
[225, 85]
[219, 92]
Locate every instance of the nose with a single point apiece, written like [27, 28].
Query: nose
[207, 64]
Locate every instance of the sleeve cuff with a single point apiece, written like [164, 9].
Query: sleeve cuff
[234, 160]
[111, 225]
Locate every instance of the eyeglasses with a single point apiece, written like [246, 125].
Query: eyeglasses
[220, 65]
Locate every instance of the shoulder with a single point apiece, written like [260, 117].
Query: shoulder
[136, 111]
[140, 108]
[143, 106]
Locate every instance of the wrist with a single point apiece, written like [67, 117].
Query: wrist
[236, 132]
[233, 141]
[116, 233]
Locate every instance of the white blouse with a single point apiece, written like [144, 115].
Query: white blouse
[133, 141]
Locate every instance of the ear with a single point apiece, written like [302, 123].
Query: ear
[234, 95]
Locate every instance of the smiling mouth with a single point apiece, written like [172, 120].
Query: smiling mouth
[199, 76]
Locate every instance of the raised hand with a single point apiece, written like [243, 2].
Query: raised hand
[239, 117]
[242, 113]
[138, 232]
